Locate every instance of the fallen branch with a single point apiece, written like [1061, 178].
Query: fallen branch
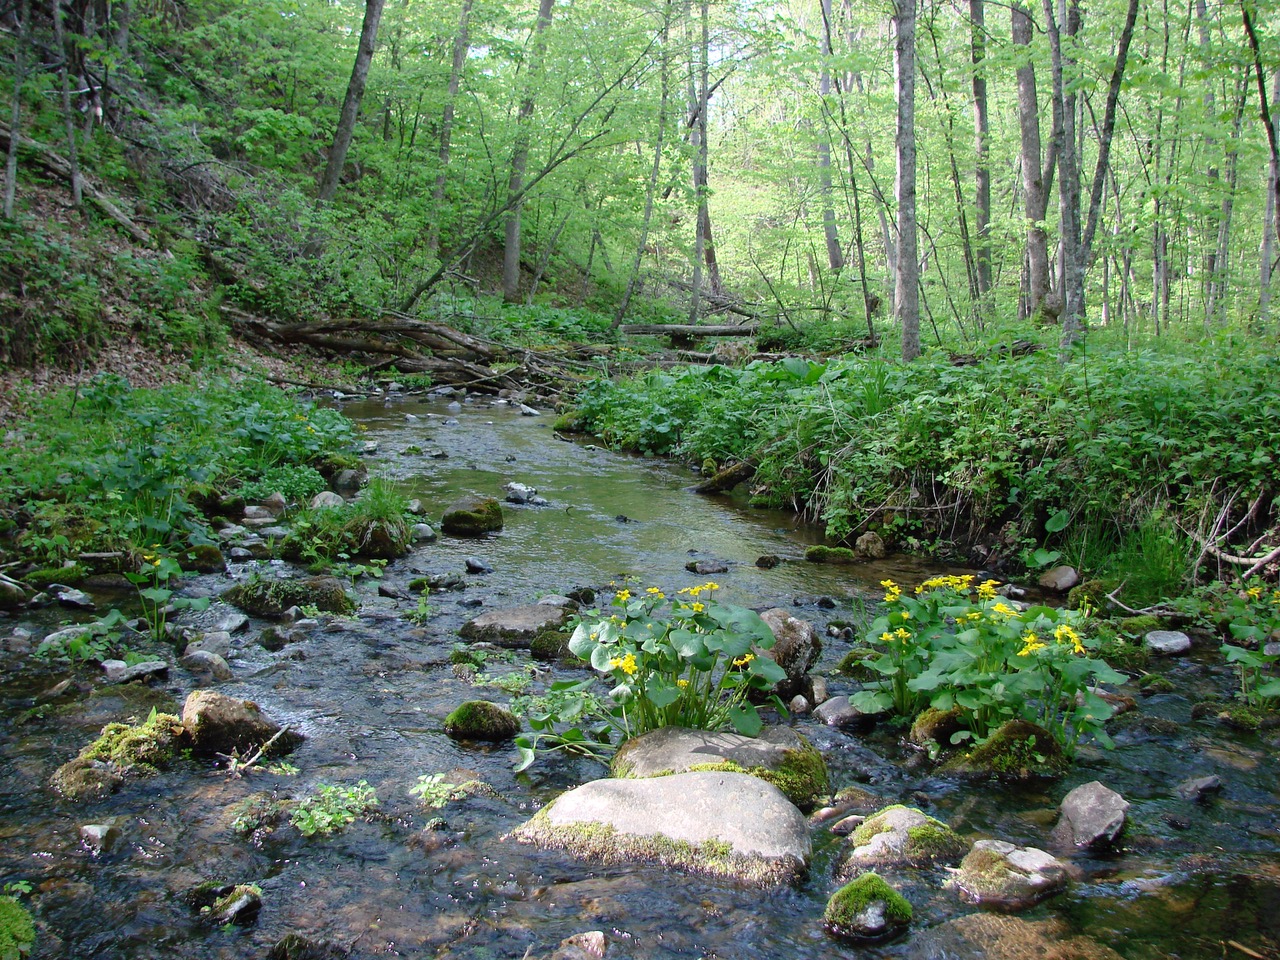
[237, 767]
[1257, 562]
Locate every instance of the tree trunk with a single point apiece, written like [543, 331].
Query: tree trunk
[461, 43]
[655, 171]
[835, 257]
[1268, 250]
[1064, 115]
[1035, 192]
[907, 280]
[351, 103]
[520, 158]
[15, 112]
[981, 133]
[60, 41]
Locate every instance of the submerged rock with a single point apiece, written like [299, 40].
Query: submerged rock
[989, 936]
[516, 626]
[262, 597]
[723, 824]
[226, 903]
[866, 909]
[294, 946]
[481, 720]
[1200, 788]
[122, 750]
[840, 712]
[900, 836]
[1092, 815]
[779, 756]
[217, 723]
[1000, 874]
[472, 517]
[84, 779]
[581, 946]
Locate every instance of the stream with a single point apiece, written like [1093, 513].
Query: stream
[371, 692]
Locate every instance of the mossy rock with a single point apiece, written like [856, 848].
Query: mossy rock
[1139, 626]
[204, 558]
[1123, 655]
[481, 720]
[821, 554]
[551, 645]
[569, 421]
[17, 929]
[1143, 725]
[1153, 683]
[866, 909]
[1016, 751]
[261, 597]
[142, 748]
[1237, 715]
[71, 576]
[1090, 592]
[329, 465]
[380, 539]
[855, 664]
[937, 726]
[473, 517]
[902, 836]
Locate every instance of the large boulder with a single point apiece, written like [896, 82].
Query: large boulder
[779, 755]
[264, 597]
[1003, 875]
[797, 649]
[217, 724]
[723, 824]
[1017, 750]
[900, 836]
[989, 936]
[1092, 815]
[472, 517]
[122, 750]
[515, 627]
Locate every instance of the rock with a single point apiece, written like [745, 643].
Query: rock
[221, 904]
[527, 411]
[294, 946]
[799, 705]
[208, 664]
[581, 946]
[56, 692]
[349, 481]
[422, 533]
[276, 504]
[818, 690]
[216, 642]
[481, 720]
[901, 836]
[1059, 579]
[472, 517]
[262, 597]
[146, 671]
[1200, 788]
[327, 499]
[100, 837]
[476, 565]
[1167, 643]
[840, 712]
[1017, 750]
[824, 554]
[779, 756]
[704, 568]
[937, 726]
[1000, 874]
[254, 512]
[414, 507]
[514, 627]
[680, 822]
[71, 597]
[519, 493]
[990, 936]
[12, 595]
[866, 909]
[870, 546]
[217, 723]
[85, 779]
[275, 639]
[556, 600]
[1092, 816]
[768, 561]
[797, 648]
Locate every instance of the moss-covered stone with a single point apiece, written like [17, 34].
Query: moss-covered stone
[71, 576]
[866, 908]
[1142, 724]
[902, 836]
[855, 664]
[17, 929]
[1016, 751]
[551, 645]
[1091, 593]
[568, 421]
[1123, 655]
[473, 517]
[1153, 683]
[139, 749]
[821, 554]
[481, 720]
[936, 726]
[262, 597]
[1139, 626]
[204, 558]
[329, 465]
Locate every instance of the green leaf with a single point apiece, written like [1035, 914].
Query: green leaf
[661, 692]
[745, 719]
[1057, 522]
[527, 756]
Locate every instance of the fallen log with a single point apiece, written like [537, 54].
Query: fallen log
[728, 478]
[690, 329]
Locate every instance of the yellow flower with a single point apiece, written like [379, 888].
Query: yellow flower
[655, 592]
[1066, 634]
[901, 634]
[626, 664]
[698, 607]
[595, 634]
[886, 637]
[905, 614]
[743, 660]
[987, 589]
[1005, 609]
[682, 683]
[1254, 593]
[710, 586]
[622, 596]
[1030, 644]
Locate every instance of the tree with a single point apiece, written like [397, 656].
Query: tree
[351, 103]
[907, 280]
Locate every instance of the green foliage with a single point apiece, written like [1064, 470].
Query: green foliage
[159, 599]
[945, 648]
[332, 808]
[99, 640]
[687, 663]
[435, 792]
[294, 481]
[374, 525]
[1253, 619]
[17, 928]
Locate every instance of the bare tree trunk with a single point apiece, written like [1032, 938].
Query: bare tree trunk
[1064, 110]
[1268, 251]
[60, 40]
[907, 281]
[1034, 188]
[981, 135]
[835, 257]
[655, 171]
[520, 159]
[1273, 141]
[461, 43]
[351, 103]
[698, 79]
[15, 112]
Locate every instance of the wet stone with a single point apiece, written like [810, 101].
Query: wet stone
[839, 712]
[119, 672]
[1167, 643]
[100, 837]
[1092, 815]
[900, 836]
[1001, 874]
[515, 627]
[207, 664]
[476, 565]
[1200, 789]
[71, 597]
[706, 567]
[216, 642]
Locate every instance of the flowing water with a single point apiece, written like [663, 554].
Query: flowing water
[371, 693]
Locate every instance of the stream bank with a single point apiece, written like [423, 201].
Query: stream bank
[371, 692]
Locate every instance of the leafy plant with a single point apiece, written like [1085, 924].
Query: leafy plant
[294, 481]
[435, 791]
[158, 597]
[332, 808]
[99, 640]
[1254, 617]
[687, 662]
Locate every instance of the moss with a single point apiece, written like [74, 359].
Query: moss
[68, 576]
[1017, 751]
[1152, 683]
[1144, 724]
[927, 842]
[550, 645]
[841, 915]
[17, 929]
[204, 558]
[937, 726]
[855, 664]
[602, 842]
[821, 554]
[481, 720]
[1244, 717]
[1124, 655]
[1092, 593]
[137, 748]
[570, 421]
[1139, 626]
[472, 518]
[329, 465]
[261, 597]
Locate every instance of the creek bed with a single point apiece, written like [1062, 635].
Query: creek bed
[371, 694]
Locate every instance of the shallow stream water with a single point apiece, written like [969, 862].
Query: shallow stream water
[371, 693]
